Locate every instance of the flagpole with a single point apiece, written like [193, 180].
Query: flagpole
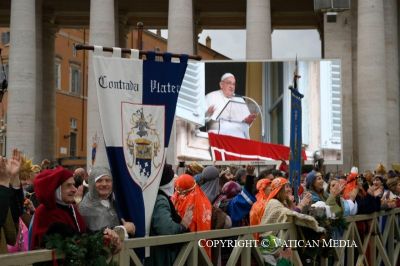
[128, 51]
[140, 35]
[295, 134]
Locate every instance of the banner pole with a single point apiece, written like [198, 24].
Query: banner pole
[295, 134]
[140, 35]
[128, 51]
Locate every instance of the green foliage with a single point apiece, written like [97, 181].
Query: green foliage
[79, 250]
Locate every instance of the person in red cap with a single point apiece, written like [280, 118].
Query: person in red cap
[57, 213]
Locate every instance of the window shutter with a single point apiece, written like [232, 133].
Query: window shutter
[191, 100]
[331, 125]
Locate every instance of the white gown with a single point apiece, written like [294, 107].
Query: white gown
[233, 114]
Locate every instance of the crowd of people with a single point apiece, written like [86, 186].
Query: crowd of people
[38, 201]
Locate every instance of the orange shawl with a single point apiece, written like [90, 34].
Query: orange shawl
[189, 194]
[257, 210]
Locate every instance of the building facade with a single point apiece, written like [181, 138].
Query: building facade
[70, 77]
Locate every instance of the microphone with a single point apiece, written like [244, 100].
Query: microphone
[259, 110]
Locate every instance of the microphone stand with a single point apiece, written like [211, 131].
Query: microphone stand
[259, 110]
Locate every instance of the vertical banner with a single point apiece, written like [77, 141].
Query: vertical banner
[295, 139]
[137, 101]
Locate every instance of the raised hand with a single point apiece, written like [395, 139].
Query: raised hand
[250, 170]
[378, 192]
[353, 194]
[13, 165]
[307, 199]
[210, 110]
[250, 118]
[188, 217]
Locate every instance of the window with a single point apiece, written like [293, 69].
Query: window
[331, 126]
[73, 124]
[72, 144]
[73, 50]
[75, 84]
[5, 37]
[274, 103]
[57, 73]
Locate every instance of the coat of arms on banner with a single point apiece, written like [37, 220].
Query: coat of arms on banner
[143, 141]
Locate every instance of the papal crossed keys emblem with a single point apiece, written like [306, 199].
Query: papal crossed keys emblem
[144, 145]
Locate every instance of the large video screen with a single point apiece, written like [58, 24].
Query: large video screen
[218, 97]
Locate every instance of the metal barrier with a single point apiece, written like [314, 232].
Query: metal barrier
[380, 244]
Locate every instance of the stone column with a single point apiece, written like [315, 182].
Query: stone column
[121, 27]
[38, 157]
[21, 110]
[180, 26]
[371, 85]
[392, 80]
[258, 29]
[102, 32]
[48, 135]
[180, 40]
[123, 30]
[337, 44]
[354, 26]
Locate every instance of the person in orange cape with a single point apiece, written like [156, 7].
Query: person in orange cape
[189, 197]
[351, 184]
[257, 210]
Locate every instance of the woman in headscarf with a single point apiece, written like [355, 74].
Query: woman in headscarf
[166, 221]
[189, 197]
[228, 192]
[276, 211]
[391, 197]
[210, 182]
[98, 205]
[315, 185]
[257, 210]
